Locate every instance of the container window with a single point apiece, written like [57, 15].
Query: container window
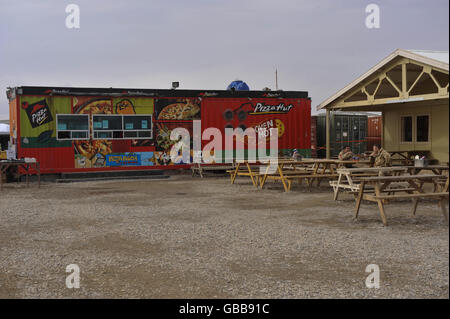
[147, 134]
[423, 128]
[130, 134]
[406, 127]
[122, 126]
[107, 122]
[137, 122]
[103, 135]
[64, 135]
[80, 135]
[138, 126]
[72, 126]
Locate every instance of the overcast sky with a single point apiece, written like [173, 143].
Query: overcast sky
[318, 46]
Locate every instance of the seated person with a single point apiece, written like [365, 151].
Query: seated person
[381, 156]
[346, 154]
[296, 155]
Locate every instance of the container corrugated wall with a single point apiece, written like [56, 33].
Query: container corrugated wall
[294, 122]
[314, 136]
[292, 116]
[374, 128]
[345, 129]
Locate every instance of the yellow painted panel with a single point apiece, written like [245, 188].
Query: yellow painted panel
[439, 132]
[390, 130]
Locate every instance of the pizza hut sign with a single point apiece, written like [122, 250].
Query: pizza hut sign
[38, 113]
[262, 108]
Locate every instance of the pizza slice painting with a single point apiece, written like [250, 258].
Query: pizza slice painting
[185, 109]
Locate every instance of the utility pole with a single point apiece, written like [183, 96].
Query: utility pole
[327, 134]
[276, 79]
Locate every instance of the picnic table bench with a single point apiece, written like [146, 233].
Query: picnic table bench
[200, 169]
[406, 157]
[435, 169]
[348, 178]
[21, 164]
[245, 168]
[285, 172]
[307, 169]
[414, 190]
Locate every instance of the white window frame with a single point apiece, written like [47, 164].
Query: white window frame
[138, 130]
[71, 138]
[123, 130]
[105, 131]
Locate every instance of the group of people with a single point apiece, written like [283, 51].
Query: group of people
[381, 158]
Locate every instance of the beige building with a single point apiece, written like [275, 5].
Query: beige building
[410, 89]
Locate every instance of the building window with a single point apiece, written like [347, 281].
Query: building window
[122, 126]
[422, 128]
[107, 126]
[137, 126]
[72, 126]
[406, 129]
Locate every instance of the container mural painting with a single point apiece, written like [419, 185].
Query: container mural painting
[88, 129]
[108, 141]
[291, 116]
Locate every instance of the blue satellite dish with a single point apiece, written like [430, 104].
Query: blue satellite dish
[238, 86]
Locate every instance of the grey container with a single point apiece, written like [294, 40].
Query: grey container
[346, 128]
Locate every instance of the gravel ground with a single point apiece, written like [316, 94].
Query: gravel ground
[204, 238]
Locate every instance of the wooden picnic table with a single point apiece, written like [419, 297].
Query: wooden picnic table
[414, 190]
[348, 178]
[27, 166]
[245, 168]
[285, 171]
[308, 169]
[406, 157]
[435, 169]
[201, 168]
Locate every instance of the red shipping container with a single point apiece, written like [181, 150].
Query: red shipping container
[314, 136]
[291, 116]
[371, 141]
[374, 126]
[126, 129]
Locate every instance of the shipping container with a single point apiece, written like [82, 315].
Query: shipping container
[371, 141]
[292, 120]
[98, 129]
[346, 128]
[374, 126]
[314, 136]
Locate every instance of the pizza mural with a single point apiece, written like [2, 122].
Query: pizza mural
[178, 109]
[170, 114]
[94, 153]
[163, 143]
